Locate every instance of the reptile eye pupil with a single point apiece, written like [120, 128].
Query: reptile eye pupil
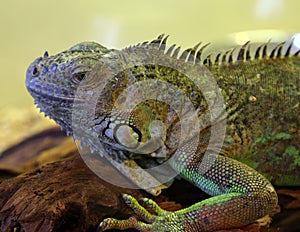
[80, 76]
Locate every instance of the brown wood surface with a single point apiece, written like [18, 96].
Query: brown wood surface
[64, 195]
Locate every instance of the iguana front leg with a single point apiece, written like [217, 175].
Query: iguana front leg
[240, 196]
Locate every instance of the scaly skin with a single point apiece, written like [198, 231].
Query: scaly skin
[262, 103]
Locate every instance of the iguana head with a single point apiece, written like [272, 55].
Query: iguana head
[52, 80]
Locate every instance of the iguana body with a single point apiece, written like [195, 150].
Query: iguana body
[261, 95]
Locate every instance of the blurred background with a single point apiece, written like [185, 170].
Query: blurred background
[30, 27]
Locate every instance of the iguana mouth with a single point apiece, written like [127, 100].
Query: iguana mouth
[53, 94]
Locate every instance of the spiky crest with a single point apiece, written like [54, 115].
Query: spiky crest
[275, 53]
[225, 57]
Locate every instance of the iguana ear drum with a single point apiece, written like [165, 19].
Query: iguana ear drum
[127, 136]
[118, 130]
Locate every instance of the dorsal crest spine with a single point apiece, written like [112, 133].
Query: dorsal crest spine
[225, 57]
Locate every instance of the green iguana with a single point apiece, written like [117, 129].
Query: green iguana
[258, 92]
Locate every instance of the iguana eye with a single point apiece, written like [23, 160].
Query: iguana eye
[128, 136]
[79, 76]
[79, 73]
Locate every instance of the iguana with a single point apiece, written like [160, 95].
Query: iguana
[261, 93]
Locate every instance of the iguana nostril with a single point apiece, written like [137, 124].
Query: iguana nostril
[35, 72]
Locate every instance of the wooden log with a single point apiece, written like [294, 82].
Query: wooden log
[62, 196]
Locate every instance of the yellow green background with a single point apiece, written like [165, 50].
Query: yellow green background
[30, 27]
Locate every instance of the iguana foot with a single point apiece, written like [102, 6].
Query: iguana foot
[132, 222]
